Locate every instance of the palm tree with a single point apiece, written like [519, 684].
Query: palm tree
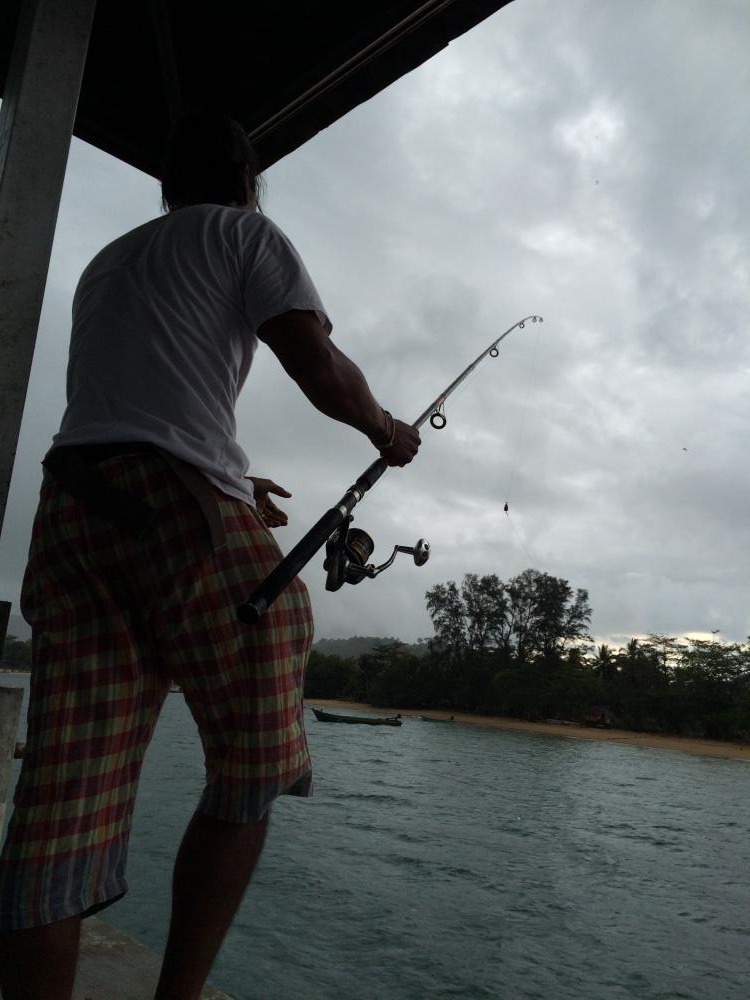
[604, 663]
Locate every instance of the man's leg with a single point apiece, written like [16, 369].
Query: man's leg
[40, 961]
[213, 869]
[243, 687]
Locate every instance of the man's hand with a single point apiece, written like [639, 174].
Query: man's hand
[406, 441]
[270, 514]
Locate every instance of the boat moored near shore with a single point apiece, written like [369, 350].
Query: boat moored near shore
[361, 720]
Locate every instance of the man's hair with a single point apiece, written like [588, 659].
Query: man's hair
[209, 160]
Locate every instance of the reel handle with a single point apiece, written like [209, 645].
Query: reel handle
[420, 551]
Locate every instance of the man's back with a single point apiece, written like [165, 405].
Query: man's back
[164, 333]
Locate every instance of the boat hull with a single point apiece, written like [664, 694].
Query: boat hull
[355, 720]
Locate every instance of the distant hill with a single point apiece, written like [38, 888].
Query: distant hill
[353, 647]
[358, 645]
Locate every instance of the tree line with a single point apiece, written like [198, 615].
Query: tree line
[16, 654]
[522, 649]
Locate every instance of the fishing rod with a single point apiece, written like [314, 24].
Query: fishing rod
[347, 548]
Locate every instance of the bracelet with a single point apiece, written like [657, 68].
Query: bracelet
[389, 433]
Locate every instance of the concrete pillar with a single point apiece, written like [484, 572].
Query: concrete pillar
[36, 123]
[10, 710]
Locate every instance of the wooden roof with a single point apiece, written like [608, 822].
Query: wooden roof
[284, 69]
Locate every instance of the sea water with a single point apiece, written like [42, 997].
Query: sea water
[444, 860]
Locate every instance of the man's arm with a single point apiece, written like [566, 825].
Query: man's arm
[334, 384]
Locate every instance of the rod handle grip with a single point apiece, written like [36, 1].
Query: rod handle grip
[279, 579]
[249, 613]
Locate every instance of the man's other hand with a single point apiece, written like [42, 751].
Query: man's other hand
[270, 514]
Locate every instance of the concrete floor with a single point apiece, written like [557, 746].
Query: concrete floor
[114, 966]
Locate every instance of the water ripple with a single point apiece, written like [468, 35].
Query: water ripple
[462, 862]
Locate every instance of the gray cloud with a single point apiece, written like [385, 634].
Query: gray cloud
[585, 161]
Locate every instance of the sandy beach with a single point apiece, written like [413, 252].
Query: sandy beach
[682, 744]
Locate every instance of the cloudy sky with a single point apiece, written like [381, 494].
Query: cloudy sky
[586, 160]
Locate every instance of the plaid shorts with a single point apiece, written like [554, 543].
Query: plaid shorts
[115, 622]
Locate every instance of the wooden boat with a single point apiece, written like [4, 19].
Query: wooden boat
[431, 718]
[362, 720]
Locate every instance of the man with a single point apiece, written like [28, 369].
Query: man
[147, 537]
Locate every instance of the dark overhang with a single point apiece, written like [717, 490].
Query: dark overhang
[284, 69]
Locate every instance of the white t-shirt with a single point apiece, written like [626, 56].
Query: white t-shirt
[165, 323]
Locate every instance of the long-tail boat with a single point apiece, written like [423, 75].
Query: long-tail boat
[362, 720]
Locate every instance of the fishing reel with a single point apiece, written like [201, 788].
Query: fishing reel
[347, 552]
[347, 548]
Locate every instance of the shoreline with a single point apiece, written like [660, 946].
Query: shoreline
[625, 737]
[724, 749]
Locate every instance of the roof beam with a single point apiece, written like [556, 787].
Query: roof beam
[374, 50]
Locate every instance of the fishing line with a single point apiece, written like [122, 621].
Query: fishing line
[519, 539]
[519, 442]
[522, 418]
[518, 436]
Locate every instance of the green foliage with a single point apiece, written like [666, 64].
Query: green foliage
[358, 645]
[405, 681]
[16, 654]
[521, 649]
[534, 616]
[332, 677]
[711, 690]
[446, 609]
